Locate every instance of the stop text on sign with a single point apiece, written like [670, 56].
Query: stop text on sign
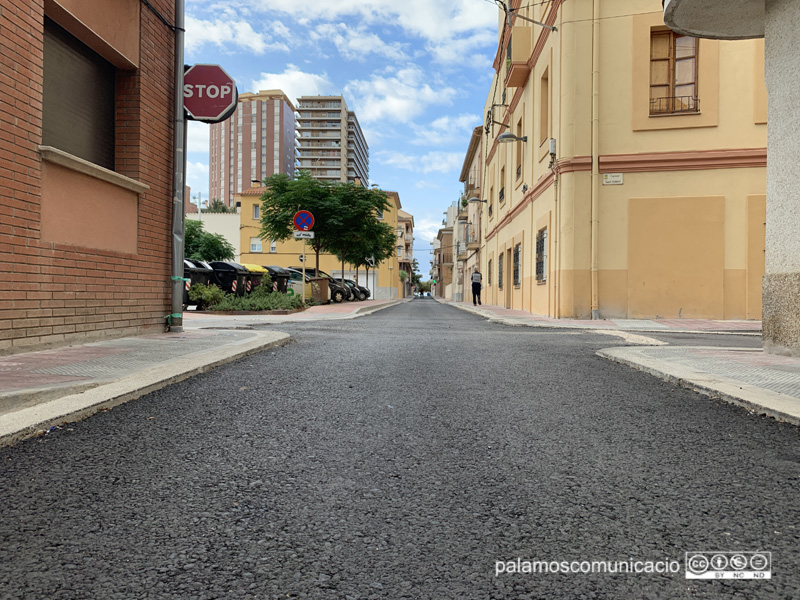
[210, 91]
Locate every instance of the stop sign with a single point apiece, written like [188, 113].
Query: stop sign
[209, 93]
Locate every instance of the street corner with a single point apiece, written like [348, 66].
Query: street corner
[761, 383]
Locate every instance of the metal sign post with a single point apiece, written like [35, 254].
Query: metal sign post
[303, 221]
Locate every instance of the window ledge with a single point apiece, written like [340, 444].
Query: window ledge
[64, 159]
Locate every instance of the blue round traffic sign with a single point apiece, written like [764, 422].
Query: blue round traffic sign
[303, 220]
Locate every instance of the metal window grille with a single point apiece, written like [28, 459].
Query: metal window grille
[500, 271]
[489, 273]
[541, 255]
[517, 264]
[502, 195]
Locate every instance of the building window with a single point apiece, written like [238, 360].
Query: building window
[273, 246]
[673, 73]
[256, 211]
[73, 120]
[541, 256]
[380, 214]
[255, 244]
[489, 273]
[517, 265]
[544, 107]
[501, 196]
[500, 271]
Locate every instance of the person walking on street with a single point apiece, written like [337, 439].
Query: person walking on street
[476, 287]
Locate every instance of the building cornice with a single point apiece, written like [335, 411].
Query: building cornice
[693, 160]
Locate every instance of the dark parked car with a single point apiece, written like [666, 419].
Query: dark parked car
[360, 292]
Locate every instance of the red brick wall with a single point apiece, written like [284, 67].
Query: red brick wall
[50, 293]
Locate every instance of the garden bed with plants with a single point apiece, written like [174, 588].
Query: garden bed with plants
[262, 299]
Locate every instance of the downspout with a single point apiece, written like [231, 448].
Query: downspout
[175, 320]
[595, 154]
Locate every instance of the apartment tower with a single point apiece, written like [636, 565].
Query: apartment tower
[332, 145]
[256, 142]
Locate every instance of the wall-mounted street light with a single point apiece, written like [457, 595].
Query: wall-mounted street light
[474, 199]
[510, 137]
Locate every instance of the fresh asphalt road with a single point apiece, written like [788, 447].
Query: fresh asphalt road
[401, 456]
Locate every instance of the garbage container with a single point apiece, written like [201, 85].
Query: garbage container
[231, 277]
[195, 272]
[280, 278]
[257, 273]
[319, 289]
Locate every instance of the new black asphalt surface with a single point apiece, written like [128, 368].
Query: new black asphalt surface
[401, 456]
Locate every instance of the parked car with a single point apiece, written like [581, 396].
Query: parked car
[337, 292]
[360, 292]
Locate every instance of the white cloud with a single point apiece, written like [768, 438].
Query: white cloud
[197, 136]
[225, 34]
[357, 43]
[460, 49]
[446, 130]
[425, 229]
[197, 178]
[427, 185]
[422, 18]
[295, 83]
[400, 96]
[432, 162]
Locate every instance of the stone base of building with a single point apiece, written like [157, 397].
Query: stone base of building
[781, 313]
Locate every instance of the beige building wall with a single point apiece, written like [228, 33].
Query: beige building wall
[667, 221]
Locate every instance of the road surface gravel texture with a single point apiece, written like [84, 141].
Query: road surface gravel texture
[401, 456]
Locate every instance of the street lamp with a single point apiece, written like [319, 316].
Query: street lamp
[476, 199]
[510, 137]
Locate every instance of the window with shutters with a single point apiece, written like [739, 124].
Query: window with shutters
[78, 98]
[673, 73]
[517, 257]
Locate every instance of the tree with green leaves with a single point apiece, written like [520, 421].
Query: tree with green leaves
[362, 236]
[217, 206]
[285, 196]
[202, 245]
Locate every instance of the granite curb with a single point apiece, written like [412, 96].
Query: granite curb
[66, 404]
[782, 407]
[566, 324]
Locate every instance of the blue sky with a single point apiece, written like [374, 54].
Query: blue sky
[416, 72]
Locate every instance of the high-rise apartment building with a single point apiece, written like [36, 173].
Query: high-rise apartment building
[332, 145]
[256, 142]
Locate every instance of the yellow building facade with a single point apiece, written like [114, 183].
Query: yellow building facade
[634, 182]
[383, 281]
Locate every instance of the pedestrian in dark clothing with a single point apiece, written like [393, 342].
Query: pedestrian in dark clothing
[476, 287]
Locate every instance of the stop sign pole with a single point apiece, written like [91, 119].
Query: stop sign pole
[202, 93]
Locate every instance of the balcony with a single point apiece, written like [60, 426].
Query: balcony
[517, 55]
[461, 250]
[463, 214]
[447, 258]
[473, 243]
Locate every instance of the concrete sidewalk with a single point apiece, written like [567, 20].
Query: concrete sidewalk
[44, 389]
[763, 383]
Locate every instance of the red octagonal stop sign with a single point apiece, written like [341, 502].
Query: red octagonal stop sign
[209, 93]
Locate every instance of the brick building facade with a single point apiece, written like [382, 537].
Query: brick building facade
[86, 111]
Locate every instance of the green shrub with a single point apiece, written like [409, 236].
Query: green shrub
[205, 295]
[261, 298]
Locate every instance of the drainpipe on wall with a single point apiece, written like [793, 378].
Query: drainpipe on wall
[175, 320]
[595, 153]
